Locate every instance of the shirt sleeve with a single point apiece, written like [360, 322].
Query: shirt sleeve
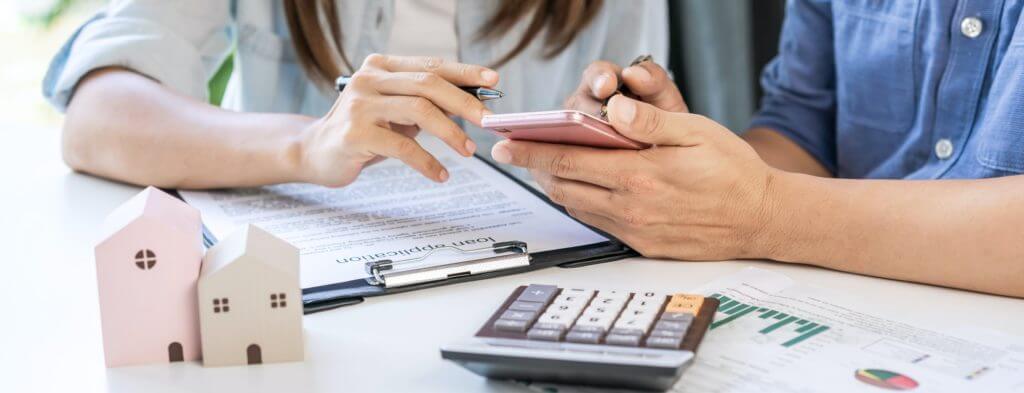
[799, 84]
[177, 43]
[636, 28]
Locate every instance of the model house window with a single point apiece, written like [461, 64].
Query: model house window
[277, 300]
[221, 305]
[145, 259]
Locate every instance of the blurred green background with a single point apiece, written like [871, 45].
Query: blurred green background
[31, 31]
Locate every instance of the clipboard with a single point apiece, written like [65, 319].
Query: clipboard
[500, 259]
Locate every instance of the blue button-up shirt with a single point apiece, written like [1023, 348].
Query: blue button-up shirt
[914, 89]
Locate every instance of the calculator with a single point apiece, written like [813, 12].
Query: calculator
[638, 340]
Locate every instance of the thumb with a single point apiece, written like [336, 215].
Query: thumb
[645, 123]
[652, 84]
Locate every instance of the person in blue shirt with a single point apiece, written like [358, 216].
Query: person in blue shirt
[890, 142]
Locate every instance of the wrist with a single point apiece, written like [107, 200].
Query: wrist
[292, 154]
[773, 238]
[805, 214]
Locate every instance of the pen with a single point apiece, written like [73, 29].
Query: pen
[622, 89]
[481, 93]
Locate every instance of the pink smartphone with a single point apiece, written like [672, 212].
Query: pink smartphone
[565, 126]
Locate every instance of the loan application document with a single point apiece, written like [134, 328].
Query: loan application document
[393, 212]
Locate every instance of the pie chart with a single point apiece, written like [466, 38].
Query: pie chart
[885, 379]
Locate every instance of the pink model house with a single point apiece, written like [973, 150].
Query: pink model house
[147, 266]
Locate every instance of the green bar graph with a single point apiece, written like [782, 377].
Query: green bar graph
[732, 317]
[736, 309]
[805, 336]
[733, 310]
[777, 325]
[727, 305]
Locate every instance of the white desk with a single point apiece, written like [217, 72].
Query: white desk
[50, 330]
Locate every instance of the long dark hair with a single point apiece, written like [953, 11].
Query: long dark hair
[316, 32]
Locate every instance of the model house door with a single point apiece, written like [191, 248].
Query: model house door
[175, 353]
[254, 354]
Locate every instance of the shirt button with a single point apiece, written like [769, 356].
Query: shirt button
[971, 27]
[944, 149]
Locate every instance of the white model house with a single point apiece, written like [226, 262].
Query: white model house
[250, 301]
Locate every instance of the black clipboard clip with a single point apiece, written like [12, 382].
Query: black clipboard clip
[499, 256]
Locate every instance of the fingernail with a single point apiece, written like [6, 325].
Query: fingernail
[643, 71]
[489, 76]
[470, 146]
[599, 81]
[625, 108]
[501, 153]
[443, 175]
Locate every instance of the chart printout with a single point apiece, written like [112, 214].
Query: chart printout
[771, 334]
[393, 212]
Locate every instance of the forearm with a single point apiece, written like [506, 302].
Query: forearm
[123, 126]
[956, 233]
[781, 153]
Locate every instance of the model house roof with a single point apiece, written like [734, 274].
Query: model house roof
[158, 205]
[251, 243]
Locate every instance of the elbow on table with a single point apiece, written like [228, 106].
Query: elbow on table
[75, 142]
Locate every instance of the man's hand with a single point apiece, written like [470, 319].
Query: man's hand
[700, 194]
[646, 79]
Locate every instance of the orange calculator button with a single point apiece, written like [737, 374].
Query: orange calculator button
[683, 303]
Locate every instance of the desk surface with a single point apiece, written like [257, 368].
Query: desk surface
[50, 336]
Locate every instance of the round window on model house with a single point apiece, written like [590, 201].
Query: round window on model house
[145, 259]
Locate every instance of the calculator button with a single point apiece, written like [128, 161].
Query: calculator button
[642, 324]
[592, 329]
[623, 339]
[602, 320]
[685, 303]
[629, 331]
[526, 306]
[639, 313]
[667, 333]
[556, 318]
[646, 304]
[669, 325]
[544, 334]
[568, 309]
[614, 294]
[509, 325]
[576, 336]
[650, 295]
[602, 310]
[664, 342]
[538, 293]
[573, 296]
[519, 315]
[549, 326]
[608, 302]
[676, 317]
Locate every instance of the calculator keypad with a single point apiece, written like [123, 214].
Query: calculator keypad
[585, 316]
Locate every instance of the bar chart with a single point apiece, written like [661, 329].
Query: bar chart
[778, 320]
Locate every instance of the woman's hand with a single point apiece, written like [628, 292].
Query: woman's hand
[379, 113]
